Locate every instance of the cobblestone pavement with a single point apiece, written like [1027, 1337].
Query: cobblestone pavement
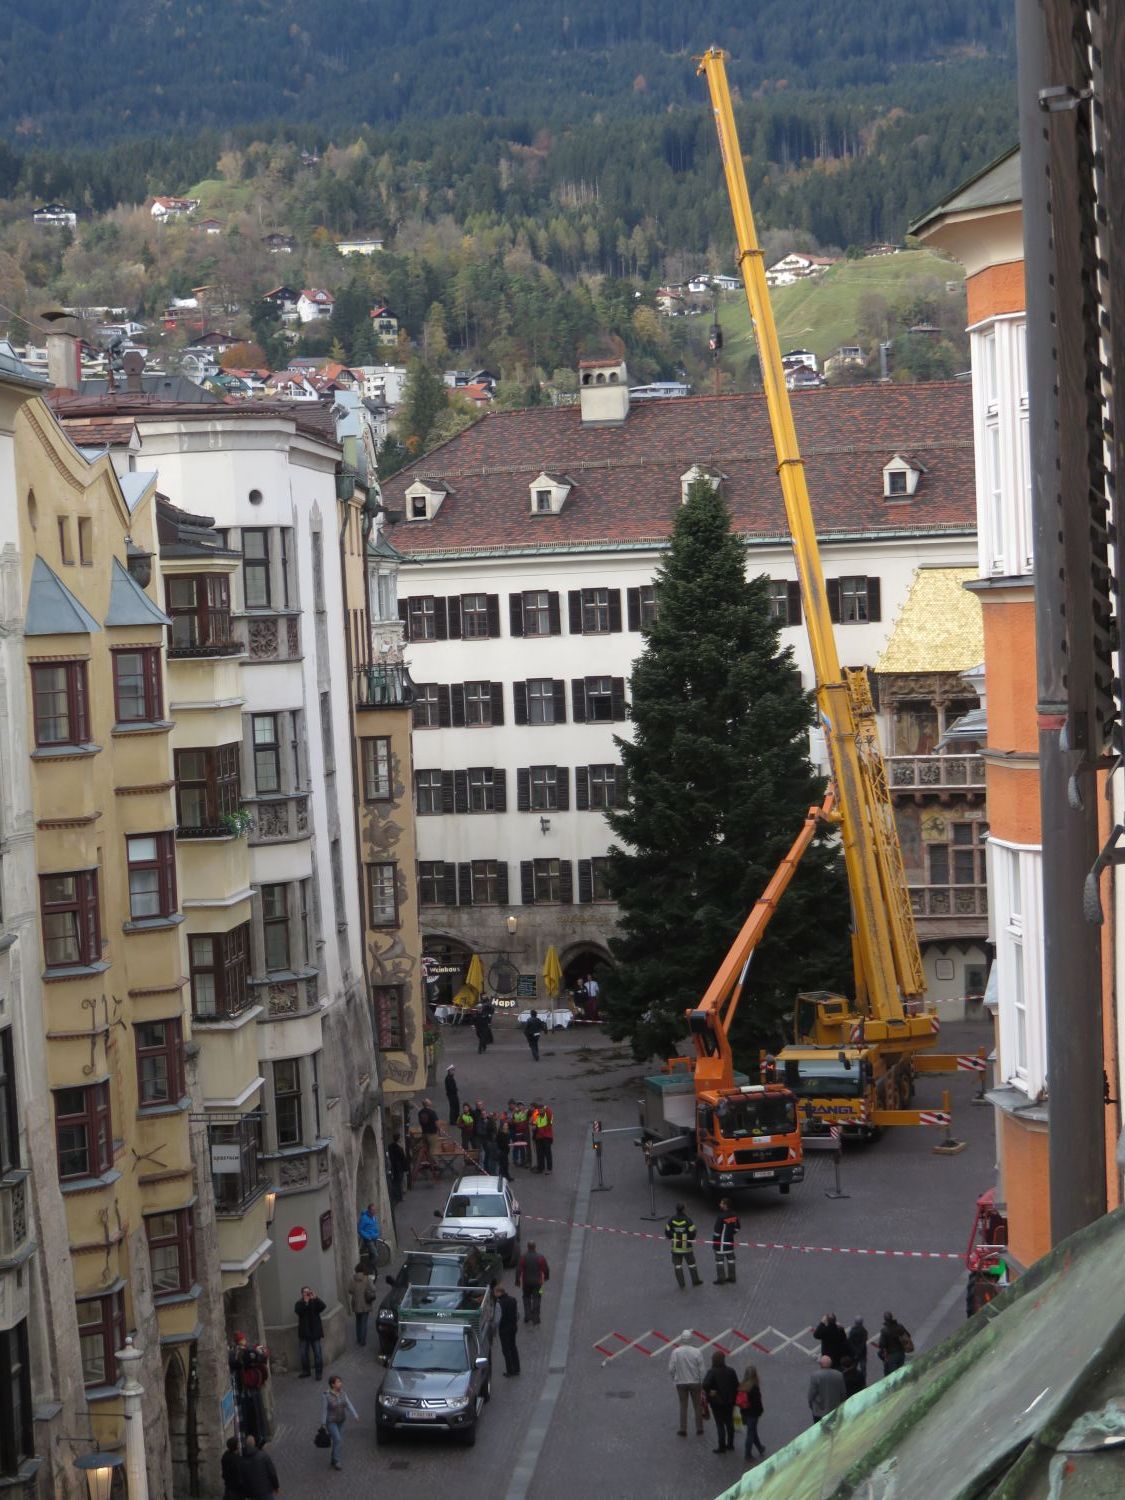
[578, 1422]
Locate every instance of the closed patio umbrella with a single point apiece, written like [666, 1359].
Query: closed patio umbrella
[552, 972]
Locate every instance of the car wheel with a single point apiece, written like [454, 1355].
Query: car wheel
[486, 1391]
[468, 1435]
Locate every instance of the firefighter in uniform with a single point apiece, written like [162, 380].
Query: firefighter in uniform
[723, 1236]
[680, 1230]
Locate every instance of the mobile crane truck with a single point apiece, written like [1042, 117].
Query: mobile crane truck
[851, 1063]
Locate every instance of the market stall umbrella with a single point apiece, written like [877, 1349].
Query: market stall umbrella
[474, 975]
[552, 971]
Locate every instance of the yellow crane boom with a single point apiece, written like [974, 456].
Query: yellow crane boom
[887, 958]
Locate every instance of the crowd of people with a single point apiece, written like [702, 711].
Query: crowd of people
[492, 1140]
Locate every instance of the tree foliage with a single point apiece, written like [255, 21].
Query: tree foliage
[718, 783]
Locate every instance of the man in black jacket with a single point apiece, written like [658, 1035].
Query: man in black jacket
[310, 1331]
[721, 1386]
[452, 1095]
[506, 1327]
[533, 1029]
[259, 1477]
[724, 1237]
[833, 1340]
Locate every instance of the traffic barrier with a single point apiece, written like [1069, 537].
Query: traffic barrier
[971, 1064]
[933, 1117]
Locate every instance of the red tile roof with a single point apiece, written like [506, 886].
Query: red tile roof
[627, 479]
[101, 432]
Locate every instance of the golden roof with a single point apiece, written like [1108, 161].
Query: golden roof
[940, 628]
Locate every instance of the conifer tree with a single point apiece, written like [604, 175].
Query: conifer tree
[718, 782]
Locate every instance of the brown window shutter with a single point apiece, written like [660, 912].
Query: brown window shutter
[832, 588]
[562, 787]
[515, 614]
[617, 699]
[559, 694]
[582, 788]
[457, 705]
[527, 882]
[461, 791]
[493, 603]
[449, 884]
[566, 881]
[453, 616]
[502, 883]
[465, 884]
[554, 620]
[578, 699]
[585, 881]
[441, 621]
[794, 603]
[874, 600]
[523, 790]
[519, 701]
[615, 609]
[632, 610]
[447, 791]
[444, 716]
[575, 598]
[500, 790]
[496, 689]
[404, 616]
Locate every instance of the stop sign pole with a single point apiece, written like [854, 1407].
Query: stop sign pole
[296, 1239]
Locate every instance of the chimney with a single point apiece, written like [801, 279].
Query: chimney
[603, 392]
[64, 363]
[133, 364]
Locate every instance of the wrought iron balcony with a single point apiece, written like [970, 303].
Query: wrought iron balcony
[935, 773]
[384, 686]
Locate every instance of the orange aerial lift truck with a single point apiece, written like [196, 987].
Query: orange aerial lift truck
[851, 1063]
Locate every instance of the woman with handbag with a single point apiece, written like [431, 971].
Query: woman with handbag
[749, 1403]
[335, 1406]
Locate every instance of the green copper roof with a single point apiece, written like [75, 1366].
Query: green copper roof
[128, 602]
[52, 609]
[995, 186]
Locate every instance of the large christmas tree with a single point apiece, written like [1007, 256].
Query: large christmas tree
[718, 783]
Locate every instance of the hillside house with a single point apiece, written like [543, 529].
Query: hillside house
[797, 266]
[845, 355]
[726, 283]
[802, 378]
[384, 325]
[54, 216]
[800, 357]
[211, 226]
[279, 244]
[164, 210]
[314, 305]
[364, 244]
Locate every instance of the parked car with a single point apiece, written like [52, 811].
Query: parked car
[439, 1271]
[480, 1209]
[439, 1376]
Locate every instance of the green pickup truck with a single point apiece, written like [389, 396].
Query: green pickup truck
[439, 1376]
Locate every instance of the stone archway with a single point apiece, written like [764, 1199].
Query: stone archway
[445, 961]
[582, 959]
[181, 1425]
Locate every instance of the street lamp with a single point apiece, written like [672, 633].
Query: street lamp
[136, 1471]
[99, 1470]
[513, 923]
[271, 1205]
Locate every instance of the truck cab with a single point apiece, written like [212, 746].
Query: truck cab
[749, 1137]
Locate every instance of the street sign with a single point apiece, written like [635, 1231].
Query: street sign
[297, 1239]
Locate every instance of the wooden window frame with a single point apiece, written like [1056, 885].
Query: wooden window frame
[543, 788]
[478, 693]
[604, 781]
[595, 611]
[539, 612]
[109, 1326]
[96, 1119]
[84, 905]
[481, 788]
[376, 913]
[486, 882]
[431, 882]
[10, 1156]
[171, 1049]
[419, 616]
[163, 863]
[424, 702]
[76, 690]
[544, 881]
[260, 566]
[246, 1133]
[599, 867]
[430, 791]
[373, 748]
[388, 1017]
[222, 789]
[151, 685]
[543, 699]
[292, 1098]
[208, 614]
[17, 1432]
[270, 750]
[229, 967]
[272, 922]
[182, 1240]
[478, 614]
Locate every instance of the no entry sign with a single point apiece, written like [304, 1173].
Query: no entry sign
[297, 1239]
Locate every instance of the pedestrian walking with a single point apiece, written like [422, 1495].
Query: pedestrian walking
[257, 1473]
[452, 1094]
[720, 1385]
[361, 1294]
[723, 1239]
[368, 1228]
[489, 1147]
[310, 1332]
[250, 1371]
[335, 1409]
[685, 1365]
[826, 1389]
[466, 1125]
[833, 1340]
[680, 1230]
[482, 1025]
[858, 1337]
[531, 1272]
[504, 1147]
[543, 1132]
[396, 1167]
[230, 1467]
[533, 1029]
[749, 1403]
[507, 1321]
[893, 1344]
[428, 1129]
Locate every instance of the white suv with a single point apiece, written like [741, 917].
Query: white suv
[482, 1209]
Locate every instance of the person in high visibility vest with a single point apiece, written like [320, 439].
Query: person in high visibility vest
[680, 1230]
[521, 1133]
[723, 1239]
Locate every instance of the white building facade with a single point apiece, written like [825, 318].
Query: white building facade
[530, 546]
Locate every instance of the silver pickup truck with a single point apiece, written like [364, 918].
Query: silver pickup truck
[438, 1378]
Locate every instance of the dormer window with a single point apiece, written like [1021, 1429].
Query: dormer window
[548, 494]
[688, 478]
[900, 477]
[423, 501]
